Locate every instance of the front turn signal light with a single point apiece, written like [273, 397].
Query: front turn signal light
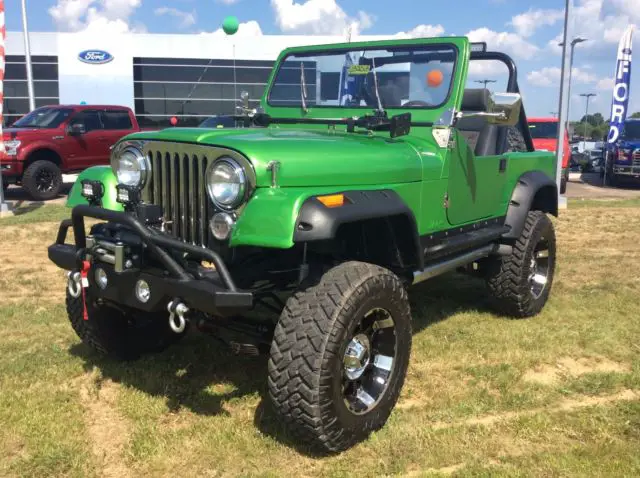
[332, 200]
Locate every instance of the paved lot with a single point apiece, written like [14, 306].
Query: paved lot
[18, 197]
[589, 186]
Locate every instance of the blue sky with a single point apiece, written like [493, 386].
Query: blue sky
[526, 29]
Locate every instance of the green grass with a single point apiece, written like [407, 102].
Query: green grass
[600, 203]
[556, 395]
[30, 214]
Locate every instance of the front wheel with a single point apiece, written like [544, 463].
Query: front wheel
[520, 283]
[42, 180]
[340, 354]
[122, 335]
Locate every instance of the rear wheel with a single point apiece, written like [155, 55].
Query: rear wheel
[42, 180]
[122, 335]
[340, 354]
[520, 282]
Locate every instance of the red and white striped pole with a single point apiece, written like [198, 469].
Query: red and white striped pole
[3, 34]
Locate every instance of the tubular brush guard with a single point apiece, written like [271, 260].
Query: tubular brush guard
[215, 294]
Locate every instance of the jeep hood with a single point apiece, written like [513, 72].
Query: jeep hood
[310, 157]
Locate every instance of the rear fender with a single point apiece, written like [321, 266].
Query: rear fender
[105, 175]
[534, 191]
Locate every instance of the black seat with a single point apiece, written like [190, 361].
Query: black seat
[481, 136]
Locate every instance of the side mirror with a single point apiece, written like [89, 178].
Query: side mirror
[76, 129]
[244, 96]
[503, 109]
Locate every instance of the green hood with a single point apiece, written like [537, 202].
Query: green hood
[310, 157]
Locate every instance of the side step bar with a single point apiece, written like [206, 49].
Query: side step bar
[453, 263]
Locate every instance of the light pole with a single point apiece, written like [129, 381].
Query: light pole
[562, 112]
[27, 57]
[573, 44]
[485, 82]
[586, 119]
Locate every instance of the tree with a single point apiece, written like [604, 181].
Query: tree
[594, 120]
[635, 115]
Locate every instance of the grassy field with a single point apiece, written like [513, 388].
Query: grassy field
[557, 395]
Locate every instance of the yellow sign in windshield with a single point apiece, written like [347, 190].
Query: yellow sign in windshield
[359, 69]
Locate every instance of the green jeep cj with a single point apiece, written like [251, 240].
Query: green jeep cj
[367, 168]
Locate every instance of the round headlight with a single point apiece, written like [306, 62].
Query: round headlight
[226, 183]
[130, 167]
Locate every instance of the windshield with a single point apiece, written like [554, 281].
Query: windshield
[43, 118]
[407, 77]
[631, 130]
[543, 129]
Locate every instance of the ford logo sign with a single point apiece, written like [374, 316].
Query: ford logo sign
[96, 57]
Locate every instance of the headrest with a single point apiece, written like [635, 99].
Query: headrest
[476, 99]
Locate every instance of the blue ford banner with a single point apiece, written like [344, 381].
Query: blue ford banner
[621, 86]
[347, 82]
[96, 57]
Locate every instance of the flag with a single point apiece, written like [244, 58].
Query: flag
[622, 82]
[347, 82]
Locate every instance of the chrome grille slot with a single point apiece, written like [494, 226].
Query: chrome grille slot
[636, 157]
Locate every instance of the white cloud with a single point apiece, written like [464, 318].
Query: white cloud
[422, 31]
[318, 17]
[185, 19]
[602, 22]
[527, 23]
[605, 84]
[246, 29]
[95, 15]
[508, 42]
[550, 76]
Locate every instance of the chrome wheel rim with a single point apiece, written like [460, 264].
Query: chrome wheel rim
[44, 181]
[539, 268]
[368, 361]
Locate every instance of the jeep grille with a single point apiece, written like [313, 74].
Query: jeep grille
[177, 185]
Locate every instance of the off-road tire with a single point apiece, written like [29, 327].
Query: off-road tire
[305, 365]
[118, 334]
[30, 180]
[508, 276]
[563, 184]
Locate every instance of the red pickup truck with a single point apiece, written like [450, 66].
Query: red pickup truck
[53, 140]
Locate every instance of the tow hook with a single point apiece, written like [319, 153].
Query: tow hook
[177, 311]
[74, 284]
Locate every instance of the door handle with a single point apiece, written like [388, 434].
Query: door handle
[502, 167]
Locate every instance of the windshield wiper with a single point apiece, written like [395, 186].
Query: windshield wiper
[375, 85]
[303, 89]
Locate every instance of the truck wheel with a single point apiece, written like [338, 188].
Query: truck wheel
[339, 355]
[520, 282]
[42, 180]
[563, 184]
[113, 332]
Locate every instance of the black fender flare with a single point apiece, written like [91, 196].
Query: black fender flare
[534, 190]
[316, 222]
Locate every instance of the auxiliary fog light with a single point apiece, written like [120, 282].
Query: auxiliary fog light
[143, 291]
[221, 225]
[101, 278]
[92, 190]
[127, 194]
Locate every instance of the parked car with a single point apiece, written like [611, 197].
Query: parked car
[544, 132]
[55, 140]
[299, 237]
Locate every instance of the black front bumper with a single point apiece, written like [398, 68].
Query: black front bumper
[213, 292]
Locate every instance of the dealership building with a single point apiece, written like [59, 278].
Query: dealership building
[159, 76]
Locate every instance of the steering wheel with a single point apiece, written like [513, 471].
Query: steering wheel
[415, 103]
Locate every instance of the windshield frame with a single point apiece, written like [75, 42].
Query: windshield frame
[556, 126]
[424, 47]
